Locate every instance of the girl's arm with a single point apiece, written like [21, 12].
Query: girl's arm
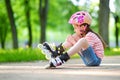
[70, 40]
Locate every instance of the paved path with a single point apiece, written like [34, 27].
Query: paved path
[73, 69]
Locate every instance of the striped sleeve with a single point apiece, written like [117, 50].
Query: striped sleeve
[96, 44]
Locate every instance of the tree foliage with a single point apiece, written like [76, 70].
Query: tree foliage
[33, 21]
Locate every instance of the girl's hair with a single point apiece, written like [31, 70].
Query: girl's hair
[90, 30]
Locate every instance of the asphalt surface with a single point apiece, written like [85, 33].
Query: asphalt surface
[74, 69]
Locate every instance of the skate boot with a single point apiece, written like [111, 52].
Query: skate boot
[55, 50]
[54, 62]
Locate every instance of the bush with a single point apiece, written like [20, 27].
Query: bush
[20, 55]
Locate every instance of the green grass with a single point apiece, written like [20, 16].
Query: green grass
[112, 52]
[25, 55]
[21, 55]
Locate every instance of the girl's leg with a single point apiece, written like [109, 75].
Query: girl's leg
[81, 45]
[86, 52]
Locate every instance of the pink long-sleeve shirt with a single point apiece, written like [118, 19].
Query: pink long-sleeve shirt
[96, 44]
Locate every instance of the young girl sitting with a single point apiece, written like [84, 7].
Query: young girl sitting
[89, 45]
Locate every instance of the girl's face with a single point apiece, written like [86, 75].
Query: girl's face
[79, 29]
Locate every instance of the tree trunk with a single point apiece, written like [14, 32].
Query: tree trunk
[104, 20]
[12, 23]
[2, 38]
[28, 22]
[3, 44]
[116, 17]
[43, 9]
[3, 35]
[3, 30]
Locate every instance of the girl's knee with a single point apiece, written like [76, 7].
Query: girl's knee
[84, 43]
[83, 40]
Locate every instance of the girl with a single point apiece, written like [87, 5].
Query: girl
[84, 41]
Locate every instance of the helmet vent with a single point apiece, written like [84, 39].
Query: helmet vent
[83, 13]
[78, 13]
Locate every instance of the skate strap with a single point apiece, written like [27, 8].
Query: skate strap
[56, 62]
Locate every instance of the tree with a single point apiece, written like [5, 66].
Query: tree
[3, 29]
[116, 15]
[104, 20]
[27, 10]
[12, 23]
[43, 9]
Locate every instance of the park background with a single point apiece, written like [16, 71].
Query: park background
[26, 23]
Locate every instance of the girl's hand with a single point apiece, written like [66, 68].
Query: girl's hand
[71, 39]
[68, 42]
[76, 37]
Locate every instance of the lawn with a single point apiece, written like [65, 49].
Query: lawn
[21, 55]
[28, 54]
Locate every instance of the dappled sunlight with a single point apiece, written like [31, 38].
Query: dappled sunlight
[116, 49]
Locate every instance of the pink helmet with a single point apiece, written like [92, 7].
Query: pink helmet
[80, 17]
